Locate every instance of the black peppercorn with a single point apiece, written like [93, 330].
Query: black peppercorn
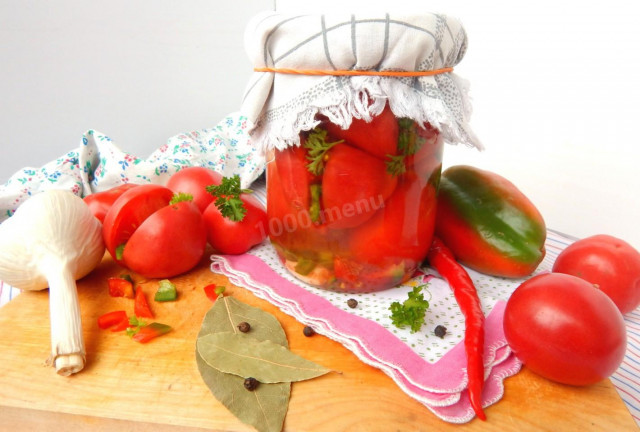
[251, 384]
[244, 327]
[352, 303]
[308, 331]
[440, 331]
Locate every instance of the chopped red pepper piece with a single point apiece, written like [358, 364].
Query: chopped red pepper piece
[111, 319]
[141, 306]
[120, 287]
[121, 326]
[212, 291]
[150, 332]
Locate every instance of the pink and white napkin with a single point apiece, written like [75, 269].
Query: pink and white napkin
[428, 368]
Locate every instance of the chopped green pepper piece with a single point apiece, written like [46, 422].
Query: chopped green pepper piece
[166, 291]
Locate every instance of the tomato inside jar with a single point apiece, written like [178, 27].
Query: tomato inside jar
[354, 210]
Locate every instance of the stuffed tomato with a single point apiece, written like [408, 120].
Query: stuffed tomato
[354, 209]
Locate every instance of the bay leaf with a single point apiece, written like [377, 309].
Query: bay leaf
[227, 312]
[266, 361]
[266, 407]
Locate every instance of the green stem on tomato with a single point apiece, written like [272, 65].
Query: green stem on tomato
[441, 258]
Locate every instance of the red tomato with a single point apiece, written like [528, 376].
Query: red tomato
[234, 238]
[129, 211]
[402, 229]
[564, 330]
[295, 178]
[609, 263]
[194, 180]
[100, 202]
[378, 137]
[354, 183]
[290, 227]
[169, 242]
[160, 240]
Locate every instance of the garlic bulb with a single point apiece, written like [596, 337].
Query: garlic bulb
[51, 241]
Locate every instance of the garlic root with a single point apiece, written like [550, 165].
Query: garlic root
[52, 240]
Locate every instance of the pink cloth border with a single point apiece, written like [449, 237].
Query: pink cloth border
[439, 385]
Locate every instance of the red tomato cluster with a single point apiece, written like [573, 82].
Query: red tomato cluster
[567, 325]
[354, 209]
[149, 231]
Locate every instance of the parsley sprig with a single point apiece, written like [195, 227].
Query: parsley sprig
[317, 148]
[409, 142]
[411, 312]
[228, 200]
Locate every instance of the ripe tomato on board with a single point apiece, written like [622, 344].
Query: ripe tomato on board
[610, 264]
[564, 330]
[236, 237]
[100, 202]
[194, 180]
[144, 232]
[129, 211]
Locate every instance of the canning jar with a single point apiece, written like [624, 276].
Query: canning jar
[354, 210]
[351, 111]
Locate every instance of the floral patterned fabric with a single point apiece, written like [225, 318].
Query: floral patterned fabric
[98, 164]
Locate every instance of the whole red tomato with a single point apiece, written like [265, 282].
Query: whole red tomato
[295, 178]
[611, 264]
[400, 230]
[379, 137]
[100, 202]
[236, 237]
[194, 180]
[564, 330]
[144, 232]
[354, 183]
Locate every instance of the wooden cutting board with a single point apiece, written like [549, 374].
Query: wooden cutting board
[157, 387]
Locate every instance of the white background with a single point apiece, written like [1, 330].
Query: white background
[555, 88]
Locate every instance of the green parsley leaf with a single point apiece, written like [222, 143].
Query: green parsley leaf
[411, 312]
[228, 200]
[317, 148]
[396, 165]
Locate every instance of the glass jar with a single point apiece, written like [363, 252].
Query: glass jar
[354, 210]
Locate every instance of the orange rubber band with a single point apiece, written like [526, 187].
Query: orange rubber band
[354, 72]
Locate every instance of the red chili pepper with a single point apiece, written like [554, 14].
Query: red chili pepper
[111, 319]
[141, 307]
[120, 287]
[151, 331]
[441, 258]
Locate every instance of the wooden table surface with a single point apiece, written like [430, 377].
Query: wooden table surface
[157, 387]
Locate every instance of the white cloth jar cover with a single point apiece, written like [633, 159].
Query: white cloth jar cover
[280, 105]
